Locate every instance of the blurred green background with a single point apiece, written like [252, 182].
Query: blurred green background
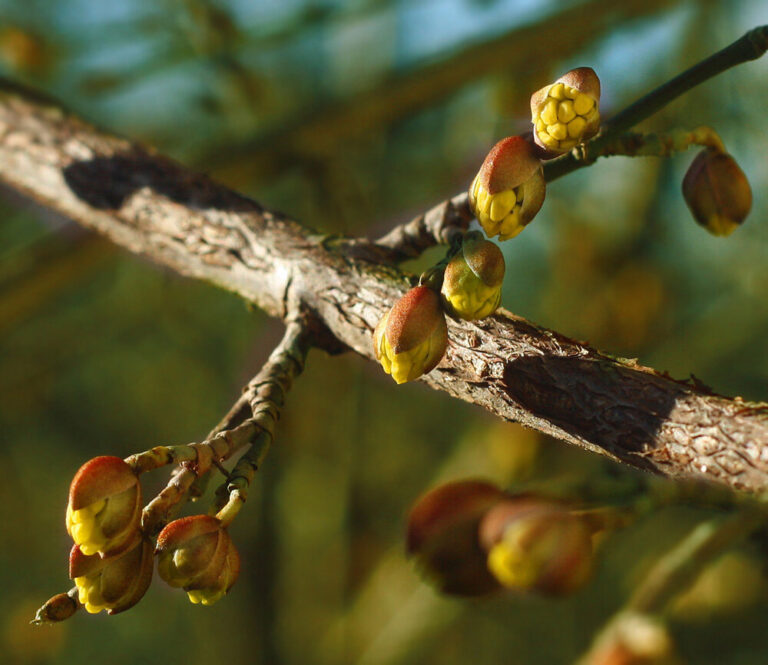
[352, 117]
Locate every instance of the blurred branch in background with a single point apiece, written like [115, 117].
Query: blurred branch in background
[315, 134]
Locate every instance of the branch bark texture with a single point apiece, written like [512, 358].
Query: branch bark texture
[513, 368]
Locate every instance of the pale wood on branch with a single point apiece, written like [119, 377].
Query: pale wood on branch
[513, 368]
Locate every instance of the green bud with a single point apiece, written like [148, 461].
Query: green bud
[472, 281]
[410, 340]
[566, 112]
[509, 189]
[717, 192]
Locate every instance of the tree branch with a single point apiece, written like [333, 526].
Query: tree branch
[513, 368]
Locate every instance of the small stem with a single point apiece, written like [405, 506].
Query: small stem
[266, 394]
[633, 144]
[673, 574]
[438, 226]
[680, 567]
[749, 47]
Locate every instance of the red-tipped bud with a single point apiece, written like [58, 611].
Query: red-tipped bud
[442, 535]
[509, 189]
[104, 509]
[113, 583]
[537, 545]
[410, 340]
[566, 112]
[472, 282]
[717, 192]
[197, 553]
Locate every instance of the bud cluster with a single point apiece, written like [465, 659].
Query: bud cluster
[509, 189]
[471, 538]
[112, 559]
[411, 338]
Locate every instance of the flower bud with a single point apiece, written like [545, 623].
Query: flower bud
[633, 639]
[58, 608]
[442, 535]
[717, 192]
[410, 340]
[104, 509]
[533, 545]
[197, 553]
[114, 583]
[509, 189]
[472, 282]
[567, 112]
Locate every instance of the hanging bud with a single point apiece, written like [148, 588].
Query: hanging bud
[567, 112]
[472, 281]
[104, 509]
[442, 536]
[412, 337]
[537, 545]
[59, 608]
[509, 189]
[197, 553]
[114, 583]
[717, 192]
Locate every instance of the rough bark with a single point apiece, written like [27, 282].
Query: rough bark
[513, 368]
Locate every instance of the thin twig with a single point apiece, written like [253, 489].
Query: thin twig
[266, 393]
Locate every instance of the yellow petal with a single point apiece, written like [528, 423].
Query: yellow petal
[558, 131]
[549, 112]
[582, 104]
[576, 127]
[565, 112]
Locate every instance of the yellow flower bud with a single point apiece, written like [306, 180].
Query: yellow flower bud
[442, 536]
[115, 583]
[566, 112]
[410, 340]
[509, 189]
[537, 545]
[472, 281]
[104, 509]
[198, 554]
[717, 192]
